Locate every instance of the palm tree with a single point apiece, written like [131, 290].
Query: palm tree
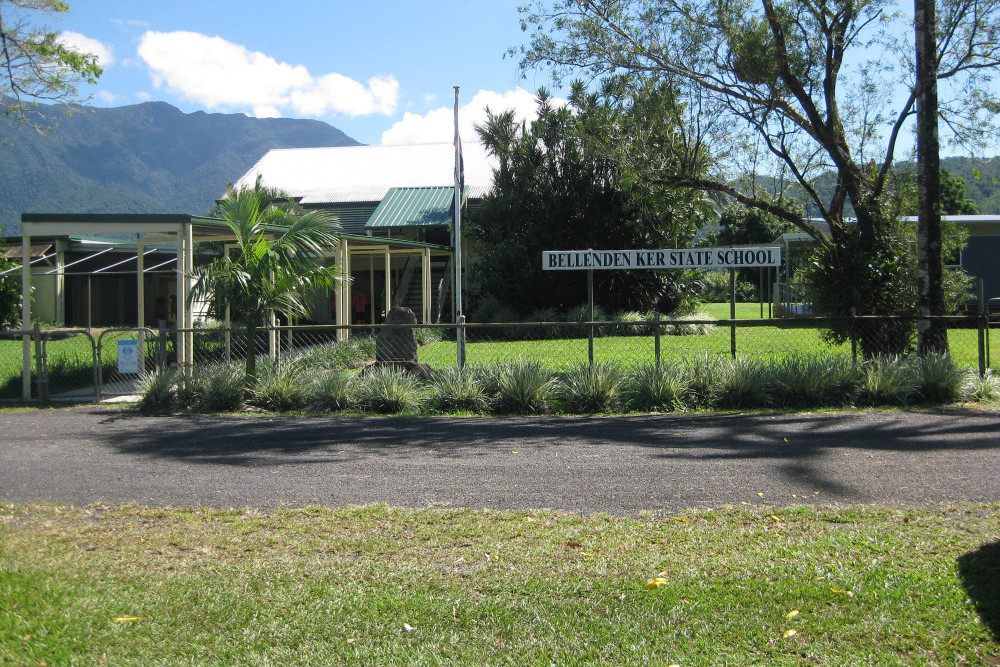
[278, 261]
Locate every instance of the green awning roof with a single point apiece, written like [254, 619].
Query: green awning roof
[414, 207]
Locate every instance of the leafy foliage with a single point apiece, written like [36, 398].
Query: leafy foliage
[556, 189]
[10, 294]
[34, 64]
[278, 262]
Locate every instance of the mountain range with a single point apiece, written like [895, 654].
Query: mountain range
[144, 158]
[153, 158]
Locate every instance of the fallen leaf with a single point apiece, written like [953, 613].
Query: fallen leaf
[786, 439]
[573, 544]
[743, 502]
[840, 592]
[681, 519]
[586, 554]
[351, 640]
[791, 632]
[125, 619]
[761, 494]
[515, 451]
[792, 614]
[407, 627]
[655, 583]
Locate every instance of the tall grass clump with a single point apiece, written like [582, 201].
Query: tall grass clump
[389, 390]
[456, 389]
[705, 376]
[692, 324]
[336, 355]
[334, 391]
[282, 388]
[984, 388]
[158, 391]
[524, 386]
[212, 388]
[814, 381]
[652, 387]
[426, 336]
[747, 383]
[589, 388]
[888, 380]
[939, 379]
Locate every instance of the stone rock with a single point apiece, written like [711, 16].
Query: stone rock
[397, 341]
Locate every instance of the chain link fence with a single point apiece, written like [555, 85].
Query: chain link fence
[561, 345]
[73, 363]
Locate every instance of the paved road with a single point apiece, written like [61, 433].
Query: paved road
[620, 465]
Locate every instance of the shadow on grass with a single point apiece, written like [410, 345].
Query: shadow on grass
[980, 574]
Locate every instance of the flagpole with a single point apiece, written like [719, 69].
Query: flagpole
[458, 214]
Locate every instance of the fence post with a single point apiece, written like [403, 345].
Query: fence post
[590, 317]
[161, 347]
[656, 336]
[854, 335]
[41, 372]
[732, 313]
[983, 323]
[461, 342]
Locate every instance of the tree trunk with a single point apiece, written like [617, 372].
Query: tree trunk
[932, 336]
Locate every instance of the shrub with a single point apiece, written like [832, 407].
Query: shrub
[887, 380]
[334, 391]
[940, 381]
[157, 392]
[657, 387]
[456, 389]
[281, 388]
[591, 387]
[389, 390]
[524, 387]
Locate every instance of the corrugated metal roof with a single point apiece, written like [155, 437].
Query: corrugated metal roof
[414, 207]
[352, 216]
[323, 176]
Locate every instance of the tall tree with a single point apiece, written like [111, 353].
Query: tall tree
[932, 336]
[34, 64]
[278, 262]
[554, 190]
[784, 87]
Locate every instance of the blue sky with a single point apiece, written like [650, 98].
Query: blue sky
[382, 71]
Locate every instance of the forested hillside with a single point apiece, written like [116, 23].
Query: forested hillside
[145, 158]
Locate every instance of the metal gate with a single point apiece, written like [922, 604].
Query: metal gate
[136, 352]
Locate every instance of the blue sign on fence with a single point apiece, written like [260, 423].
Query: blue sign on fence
[128, 356]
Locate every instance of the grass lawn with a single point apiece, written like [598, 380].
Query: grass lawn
[774, 342]
[379, 585]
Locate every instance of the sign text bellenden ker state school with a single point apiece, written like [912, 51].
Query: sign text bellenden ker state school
[679, 258]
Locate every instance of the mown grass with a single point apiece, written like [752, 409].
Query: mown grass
[380, 585]
[775, 343]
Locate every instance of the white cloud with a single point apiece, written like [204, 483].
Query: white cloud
[106, 97]
[144, 96]
[221, 75]
[439, 124]
[84, 44]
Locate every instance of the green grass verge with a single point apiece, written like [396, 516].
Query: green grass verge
[380, 585]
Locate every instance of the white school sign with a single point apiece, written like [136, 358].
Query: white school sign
[677, 258]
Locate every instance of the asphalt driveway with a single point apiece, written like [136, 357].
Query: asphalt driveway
[621, 465]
